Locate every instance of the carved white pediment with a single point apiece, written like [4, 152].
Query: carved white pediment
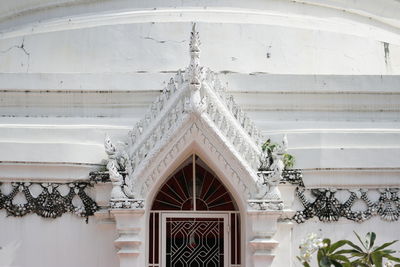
[194, 109]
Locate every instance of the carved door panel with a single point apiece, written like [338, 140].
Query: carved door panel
[195, 241]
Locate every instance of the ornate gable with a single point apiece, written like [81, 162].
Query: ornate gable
[193, 110]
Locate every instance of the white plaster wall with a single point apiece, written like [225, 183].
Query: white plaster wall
[325, 73]
[63, 242]
[160, 46]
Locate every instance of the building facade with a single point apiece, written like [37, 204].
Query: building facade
[198, 133]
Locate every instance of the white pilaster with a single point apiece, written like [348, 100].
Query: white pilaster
[262, 226]
[130, 224]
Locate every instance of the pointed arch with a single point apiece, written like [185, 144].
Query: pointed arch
[198, 199]
[193, 187]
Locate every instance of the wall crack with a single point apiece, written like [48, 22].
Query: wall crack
[163, 41]
[23, 48]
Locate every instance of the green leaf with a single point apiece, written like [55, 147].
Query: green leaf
[346, 251]
[377, 259]
[272, 147]
[359, 239]
[288, 160]
[385, 245]
[325, 262]
[356, 263]
[359, 263]
[305, 264]
[339, 257]
[387, 251]
[392, 258]
[372, 237]
[319, 255]
[337, 245]
[336, 264]
[354, 246]
[360, 255]
[266, 145]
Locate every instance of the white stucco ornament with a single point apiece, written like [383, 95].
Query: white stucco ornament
[194, 110]
[112, 167]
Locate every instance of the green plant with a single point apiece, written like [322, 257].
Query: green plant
[268, 147]
[288, 161]
[370, 255]
[329, 255]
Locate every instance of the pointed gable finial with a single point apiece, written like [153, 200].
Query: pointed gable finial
[194, 67]
[194, 41]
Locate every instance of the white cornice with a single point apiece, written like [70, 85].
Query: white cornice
[369, 18]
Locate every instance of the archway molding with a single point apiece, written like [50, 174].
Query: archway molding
[236, 177]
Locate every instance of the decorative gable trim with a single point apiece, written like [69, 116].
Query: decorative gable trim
[198, 90]
[242, 177]
[193, 109]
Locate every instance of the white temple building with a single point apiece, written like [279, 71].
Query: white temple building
[195, 133]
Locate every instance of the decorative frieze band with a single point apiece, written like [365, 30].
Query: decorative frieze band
[292, 176]
[265, 204]
[326, 206]
[127, 203]
[50, 201]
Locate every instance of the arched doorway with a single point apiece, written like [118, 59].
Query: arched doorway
[194, 220]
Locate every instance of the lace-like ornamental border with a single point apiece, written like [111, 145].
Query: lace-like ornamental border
[328, 208]
[50, 202]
